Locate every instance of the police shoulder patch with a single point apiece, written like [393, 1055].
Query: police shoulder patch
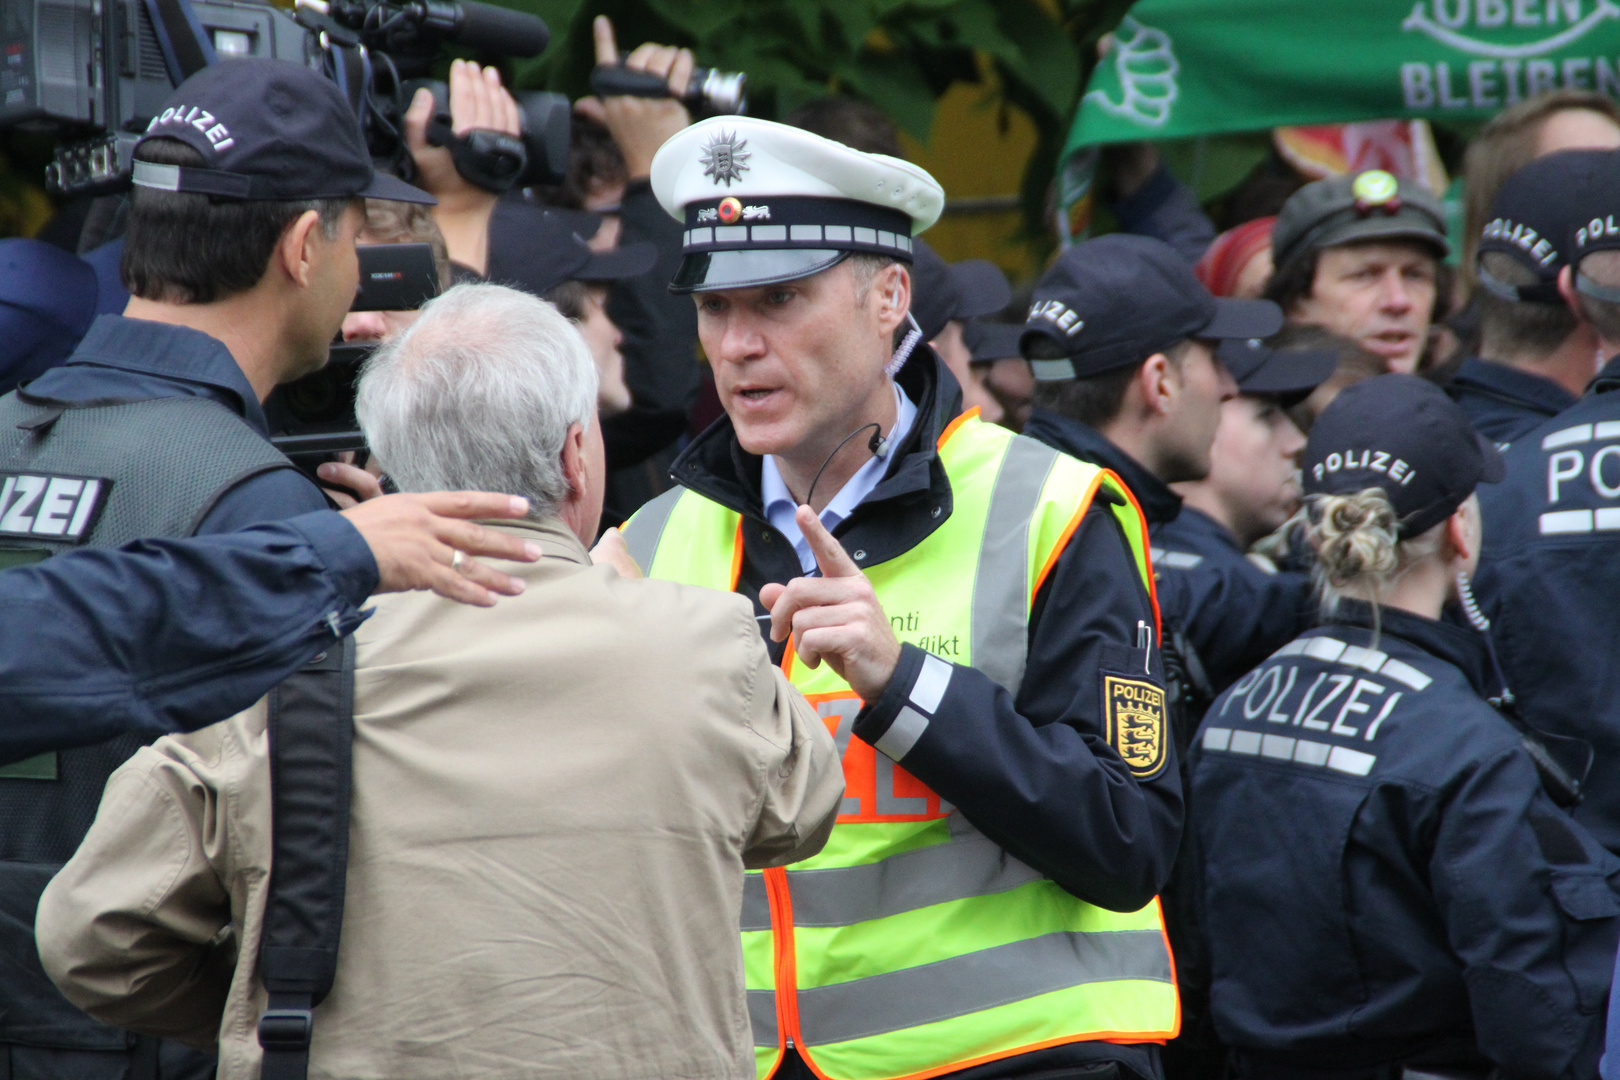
[1134, 712]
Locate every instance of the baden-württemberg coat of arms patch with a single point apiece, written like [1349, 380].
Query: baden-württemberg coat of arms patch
[1135, 714]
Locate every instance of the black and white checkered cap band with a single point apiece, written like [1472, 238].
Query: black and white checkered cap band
[738, 223]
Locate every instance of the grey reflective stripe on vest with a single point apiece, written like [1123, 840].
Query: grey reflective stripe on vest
[762, 1016]
[1000, 635]
[756, 904]
[642, 532]
[971, 866]
[977, 981]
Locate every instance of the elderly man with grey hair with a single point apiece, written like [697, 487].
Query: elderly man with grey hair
[554, 801]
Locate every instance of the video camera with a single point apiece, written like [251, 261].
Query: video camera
[312, 419]
[93, 73]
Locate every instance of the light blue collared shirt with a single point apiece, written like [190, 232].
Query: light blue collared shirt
[780, 504]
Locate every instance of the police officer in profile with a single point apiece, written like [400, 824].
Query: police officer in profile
[1536, 356]
[1122, 338]
[967, 609]
[1253, 484]
[1386, 885]
[240, 259]
[1549, 571]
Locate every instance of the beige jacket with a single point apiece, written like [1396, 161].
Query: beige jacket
[554, 801]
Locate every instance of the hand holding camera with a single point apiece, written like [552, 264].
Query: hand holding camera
[478, 104]
[640, 125]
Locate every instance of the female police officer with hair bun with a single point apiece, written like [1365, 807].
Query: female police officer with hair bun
[1388, 890]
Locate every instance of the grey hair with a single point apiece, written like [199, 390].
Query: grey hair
[479, 394]
[866, 267]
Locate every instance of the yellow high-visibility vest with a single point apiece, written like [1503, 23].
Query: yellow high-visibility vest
[913, 945]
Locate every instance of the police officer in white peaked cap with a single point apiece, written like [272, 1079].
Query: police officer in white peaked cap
[764, 202]
[971, 613]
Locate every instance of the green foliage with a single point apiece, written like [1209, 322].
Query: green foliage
[899, 54]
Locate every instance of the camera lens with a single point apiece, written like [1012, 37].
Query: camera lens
[719, 91]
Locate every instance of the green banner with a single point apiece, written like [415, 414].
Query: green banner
[1180, 68]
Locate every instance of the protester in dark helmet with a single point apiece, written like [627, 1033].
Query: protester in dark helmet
[1536, 356]
[1360, 256]
[1386, 884]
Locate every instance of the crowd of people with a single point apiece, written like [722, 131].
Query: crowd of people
[813, 658]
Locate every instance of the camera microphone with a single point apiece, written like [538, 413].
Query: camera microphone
[483, 26]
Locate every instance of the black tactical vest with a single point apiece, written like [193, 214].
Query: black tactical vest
[97, 475]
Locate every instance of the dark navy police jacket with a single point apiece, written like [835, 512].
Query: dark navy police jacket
[1384, 879]
[169, 635]
[1503, 402]
[138, 359]
[1233, 613]
[1550, 582]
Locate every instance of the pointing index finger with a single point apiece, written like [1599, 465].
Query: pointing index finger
[830, 555]
[607, 50]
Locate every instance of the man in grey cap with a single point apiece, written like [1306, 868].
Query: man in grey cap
[1359, 255]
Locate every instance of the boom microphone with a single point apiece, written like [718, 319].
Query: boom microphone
[489, 28]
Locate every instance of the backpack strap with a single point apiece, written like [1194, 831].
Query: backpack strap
[311, 729]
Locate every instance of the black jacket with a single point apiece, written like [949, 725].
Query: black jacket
[1035, 773]
[1385, 880]
[1548, 578]
[1503, 402]
[1232, 613]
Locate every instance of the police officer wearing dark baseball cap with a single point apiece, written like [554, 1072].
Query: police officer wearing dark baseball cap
[1535, 356]
[1401, 435]
[1410, 800]
[1359, 254]
[1122, 339]
[1551, 567]
[239, 255]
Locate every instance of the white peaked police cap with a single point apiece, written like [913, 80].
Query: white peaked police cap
[762, 202]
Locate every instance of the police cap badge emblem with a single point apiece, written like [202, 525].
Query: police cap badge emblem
[725, 158]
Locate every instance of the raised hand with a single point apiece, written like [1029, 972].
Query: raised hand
[835, 617]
